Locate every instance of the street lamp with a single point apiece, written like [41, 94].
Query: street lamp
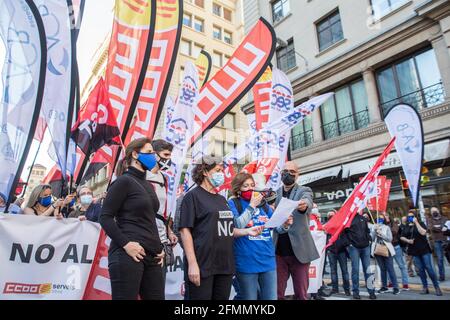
[283, 44]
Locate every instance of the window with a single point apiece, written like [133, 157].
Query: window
[227, 37]
[415, 80]
[346, 111]
[217, 59]
[286, 56]
[329, 30]
[228, 121]
[217, 10]
[302, 134]
[185, 47]
[181, 76]
[381, 8]
[225, 59]
[227, 14]
[218, 148]
[187, 19]
[200, 3]
[197, 49]
[217, 33]
[280, 9]
[199, 24]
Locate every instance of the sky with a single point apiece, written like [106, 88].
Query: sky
[97, 23]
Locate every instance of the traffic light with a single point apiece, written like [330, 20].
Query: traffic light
[404, 184]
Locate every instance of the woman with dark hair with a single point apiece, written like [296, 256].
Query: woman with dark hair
[128, 217]
[207, 231]
[255, 256]
[414, 234]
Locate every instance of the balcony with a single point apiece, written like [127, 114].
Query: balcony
[420, 99]
[346, 124]
[302, 140]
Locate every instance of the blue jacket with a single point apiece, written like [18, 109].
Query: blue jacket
[253, 254]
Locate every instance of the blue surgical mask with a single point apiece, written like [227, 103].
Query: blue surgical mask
[410, 219]
[86, 199]
[147, 160]
[217, 179]
[380, 221]
[45, 201]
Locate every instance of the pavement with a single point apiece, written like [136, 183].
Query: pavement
[415, 286]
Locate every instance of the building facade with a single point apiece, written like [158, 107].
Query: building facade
[214, 26]
[38, 173]
[372, 54]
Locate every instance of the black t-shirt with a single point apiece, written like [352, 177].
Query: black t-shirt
[420, 245]
[211, 223]
[284, 246]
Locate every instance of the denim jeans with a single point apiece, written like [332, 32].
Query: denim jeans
[237, 289]
[342, 259]
[363, 255]
[438, 249]
[401, 264]
[386, 265]
[424, 263]
[255, 286]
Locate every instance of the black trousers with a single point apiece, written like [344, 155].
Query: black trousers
[130, 279]
[215, 287]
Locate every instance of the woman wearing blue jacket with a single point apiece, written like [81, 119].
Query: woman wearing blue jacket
[254, 256]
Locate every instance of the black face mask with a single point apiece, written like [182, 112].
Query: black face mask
[287, 179]
[164, 164]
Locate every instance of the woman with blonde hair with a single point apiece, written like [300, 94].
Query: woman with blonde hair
[40, 202]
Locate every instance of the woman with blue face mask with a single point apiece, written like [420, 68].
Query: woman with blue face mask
[40, 202]
[207, 233]
[415, 236]
[128, 217]
[86, 208]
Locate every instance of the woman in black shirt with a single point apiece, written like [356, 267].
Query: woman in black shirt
[414, 234]
[128, 217]
[207, 231]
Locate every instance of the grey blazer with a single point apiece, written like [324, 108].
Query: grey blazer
[301, 240]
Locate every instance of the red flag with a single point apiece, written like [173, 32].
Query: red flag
[228, 170]
[261, 96]
[357, 199]
[264, 166]
[378, 202]
[55, 180]
[96, 125]
[40, 129]
[221, 93]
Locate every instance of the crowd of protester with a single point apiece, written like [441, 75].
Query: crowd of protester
[224, 240]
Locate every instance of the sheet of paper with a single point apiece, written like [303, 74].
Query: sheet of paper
[281, 213]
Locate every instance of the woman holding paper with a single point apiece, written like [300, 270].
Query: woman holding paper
[254, 256]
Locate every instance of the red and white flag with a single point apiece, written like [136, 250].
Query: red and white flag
[357, 200]
[261, 96]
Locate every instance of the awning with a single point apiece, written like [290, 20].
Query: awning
[433, 151]
[317, 175]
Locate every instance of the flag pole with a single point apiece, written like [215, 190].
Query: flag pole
[31, 168]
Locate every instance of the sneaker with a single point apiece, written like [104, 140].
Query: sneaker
[347, 293]
[383, 290]
[438, 291]
[425, 291]
[405, 287]
[396, 291]
[356, 296]
[372, 296]
[390, 285]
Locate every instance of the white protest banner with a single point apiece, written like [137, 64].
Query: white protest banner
[405, 123]
[281, 103]
[44, 258]
[282, 212]
[316, 266]
[180, 130]
[175, 276]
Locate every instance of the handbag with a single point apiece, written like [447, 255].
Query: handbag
[169, 255]
[381, 249]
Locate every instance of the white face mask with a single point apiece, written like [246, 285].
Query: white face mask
[86, 199]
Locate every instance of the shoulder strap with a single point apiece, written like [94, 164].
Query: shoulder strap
[237, 204]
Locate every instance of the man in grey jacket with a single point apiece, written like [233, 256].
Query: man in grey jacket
[295, 248]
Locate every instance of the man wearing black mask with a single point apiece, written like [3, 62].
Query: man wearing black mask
[295, 248]
[163, 150]
[436, 225]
